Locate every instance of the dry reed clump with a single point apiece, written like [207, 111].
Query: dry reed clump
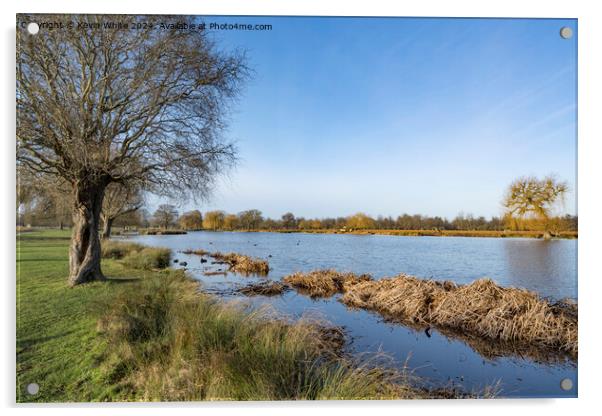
[405, 298]
[324, 283]
[243, 264]
[264, 289]
[481, 308]
[198, 252]
[215, 273]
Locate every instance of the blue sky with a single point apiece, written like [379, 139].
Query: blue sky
[398, 115]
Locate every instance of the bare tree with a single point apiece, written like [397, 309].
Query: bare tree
[191, 220]
[120, 199]
[112, 106]
[289, 221]
[165, 215]
[250, 219]
[45, 198]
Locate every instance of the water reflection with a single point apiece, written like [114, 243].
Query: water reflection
[540, 265]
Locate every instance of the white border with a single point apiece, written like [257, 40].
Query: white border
[590, 68]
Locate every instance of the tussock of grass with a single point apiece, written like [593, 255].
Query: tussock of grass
[148, 258]
[111, 249]
[171, 343]
[240, 263]
[481, 308]
[324, 283]
[264, 289]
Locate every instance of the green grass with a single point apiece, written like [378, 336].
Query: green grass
[58, 346]
[149, 335]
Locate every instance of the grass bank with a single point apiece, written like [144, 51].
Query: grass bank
[149, 335]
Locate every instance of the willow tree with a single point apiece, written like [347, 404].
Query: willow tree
[533, 198]
[100, 106]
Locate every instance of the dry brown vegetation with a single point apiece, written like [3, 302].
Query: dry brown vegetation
[323, 283]
[198, 252]
[264, 289]
[481, 309]
[240, 263]
[215, 273]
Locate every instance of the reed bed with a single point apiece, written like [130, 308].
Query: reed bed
[240, 263]
[198, 252]
[264, 289]
[481, 308]
[324, 283]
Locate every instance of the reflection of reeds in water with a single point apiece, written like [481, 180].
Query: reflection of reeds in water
[486, 316]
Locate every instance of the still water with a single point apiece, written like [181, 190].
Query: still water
[546, 267]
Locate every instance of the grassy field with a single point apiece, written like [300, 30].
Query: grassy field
[149, 335]
[57, 343]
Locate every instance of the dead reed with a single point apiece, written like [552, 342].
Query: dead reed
[240, 263]
[264, 289]
[324, 283]
[198, 252]
[481, 308]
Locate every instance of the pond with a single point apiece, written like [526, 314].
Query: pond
[546, 267]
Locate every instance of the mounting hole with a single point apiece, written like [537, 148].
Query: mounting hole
[33, 388]
[33, 28]
[566, 384]
[566, 32]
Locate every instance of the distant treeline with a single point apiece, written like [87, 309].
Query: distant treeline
[254, 220]
[167, 216]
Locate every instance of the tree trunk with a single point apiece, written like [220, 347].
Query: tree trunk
[84, 253]
[107, 223]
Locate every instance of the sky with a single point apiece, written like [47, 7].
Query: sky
[397, 115]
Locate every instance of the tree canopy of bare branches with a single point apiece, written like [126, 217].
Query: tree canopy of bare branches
[99, 106]
[120, 199]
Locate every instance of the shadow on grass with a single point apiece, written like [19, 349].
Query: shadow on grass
[119, 280]
[24, 344]
[42, 238]
[22, 260]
